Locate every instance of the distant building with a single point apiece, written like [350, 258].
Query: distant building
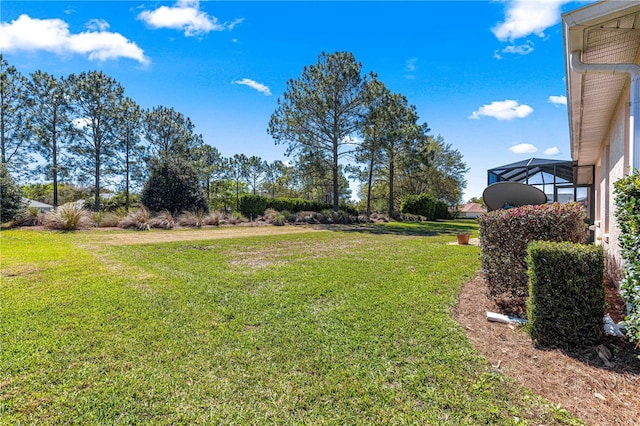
[471, 210]
[33, 204]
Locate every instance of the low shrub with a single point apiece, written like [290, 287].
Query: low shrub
[504, 236]
[163, 220]
[627, 198]
[68, 217]
[32, 217]
[107, 219]
[442, 210]
[340, 217]
[193, 219]
[138, 220]
[234, 218]
[566, 287]
[274, 218]
[213, 219]
[311, 217]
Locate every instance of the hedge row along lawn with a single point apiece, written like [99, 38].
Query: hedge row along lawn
[330, 327]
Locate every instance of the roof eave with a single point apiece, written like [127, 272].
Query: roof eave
[574, 24]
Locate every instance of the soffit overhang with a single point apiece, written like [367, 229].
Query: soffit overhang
[606, 32]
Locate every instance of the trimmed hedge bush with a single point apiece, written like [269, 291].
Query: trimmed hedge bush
[424, 205]
[566, 288]
[252, 205]
[627, 197]
[504, 236]
[257, 205]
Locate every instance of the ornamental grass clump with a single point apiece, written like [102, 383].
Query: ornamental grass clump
[627, 198]
[138, 220]
[193, 219]
[68, 217]
[163, 220]
[566, 294]
[213, 219]
[274, 217]
[504, 236]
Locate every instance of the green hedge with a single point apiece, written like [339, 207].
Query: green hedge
[256, 205]
[252, 205]
[504, 236]
[627, 197]
[424, 205]
[566, 287]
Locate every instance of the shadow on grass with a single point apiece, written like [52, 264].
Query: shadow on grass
[418, 229]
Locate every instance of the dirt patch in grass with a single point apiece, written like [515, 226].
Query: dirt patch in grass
[162, 236]
[279, 254]
[579, 382]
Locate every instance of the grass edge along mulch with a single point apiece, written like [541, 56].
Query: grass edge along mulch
[598, 395]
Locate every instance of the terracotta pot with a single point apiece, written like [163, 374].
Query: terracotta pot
[463, 239]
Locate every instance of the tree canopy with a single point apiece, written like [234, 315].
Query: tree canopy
[319, 112]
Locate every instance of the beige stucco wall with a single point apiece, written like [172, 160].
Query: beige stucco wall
[612, 166]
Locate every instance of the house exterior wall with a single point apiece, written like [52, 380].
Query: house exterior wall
[612, 165]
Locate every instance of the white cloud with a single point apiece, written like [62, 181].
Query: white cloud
[526, 17]
[523, 148]
[97, 25]
[502, 110]
[81, 123]
[552, 151]
[523, 49]
[411, 64]
[254, 85]
[558, 100]
[352, 140]
[52, 35]
[497, 55]
[185, 16]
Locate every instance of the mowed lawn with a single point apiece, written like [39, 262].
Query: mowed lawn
[340, 327]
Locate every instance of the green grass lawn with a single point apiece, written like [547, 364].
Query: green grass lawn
[333, 327]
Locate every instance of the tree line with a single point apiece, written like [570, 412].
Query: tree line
[337, 124]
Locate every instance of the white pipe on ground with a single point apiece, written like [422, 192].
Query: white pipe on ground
[633, 70]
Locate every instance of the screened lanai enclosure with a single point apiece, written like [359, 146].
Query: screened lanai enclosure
[556, 178]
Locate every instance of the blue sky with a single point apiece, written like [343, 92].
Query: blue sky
[488, 76]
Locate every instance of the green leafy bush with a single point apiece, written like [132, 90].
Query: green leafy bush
[504, 236]
[566, 287]
[253, 205]
[295, 205]
[442, 210]
[11, 203]
[424, 205]
[173, 186]
[627, 198]
[68, 217]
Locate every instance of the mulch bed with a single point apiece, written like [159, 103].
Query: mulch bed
[578, 381]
